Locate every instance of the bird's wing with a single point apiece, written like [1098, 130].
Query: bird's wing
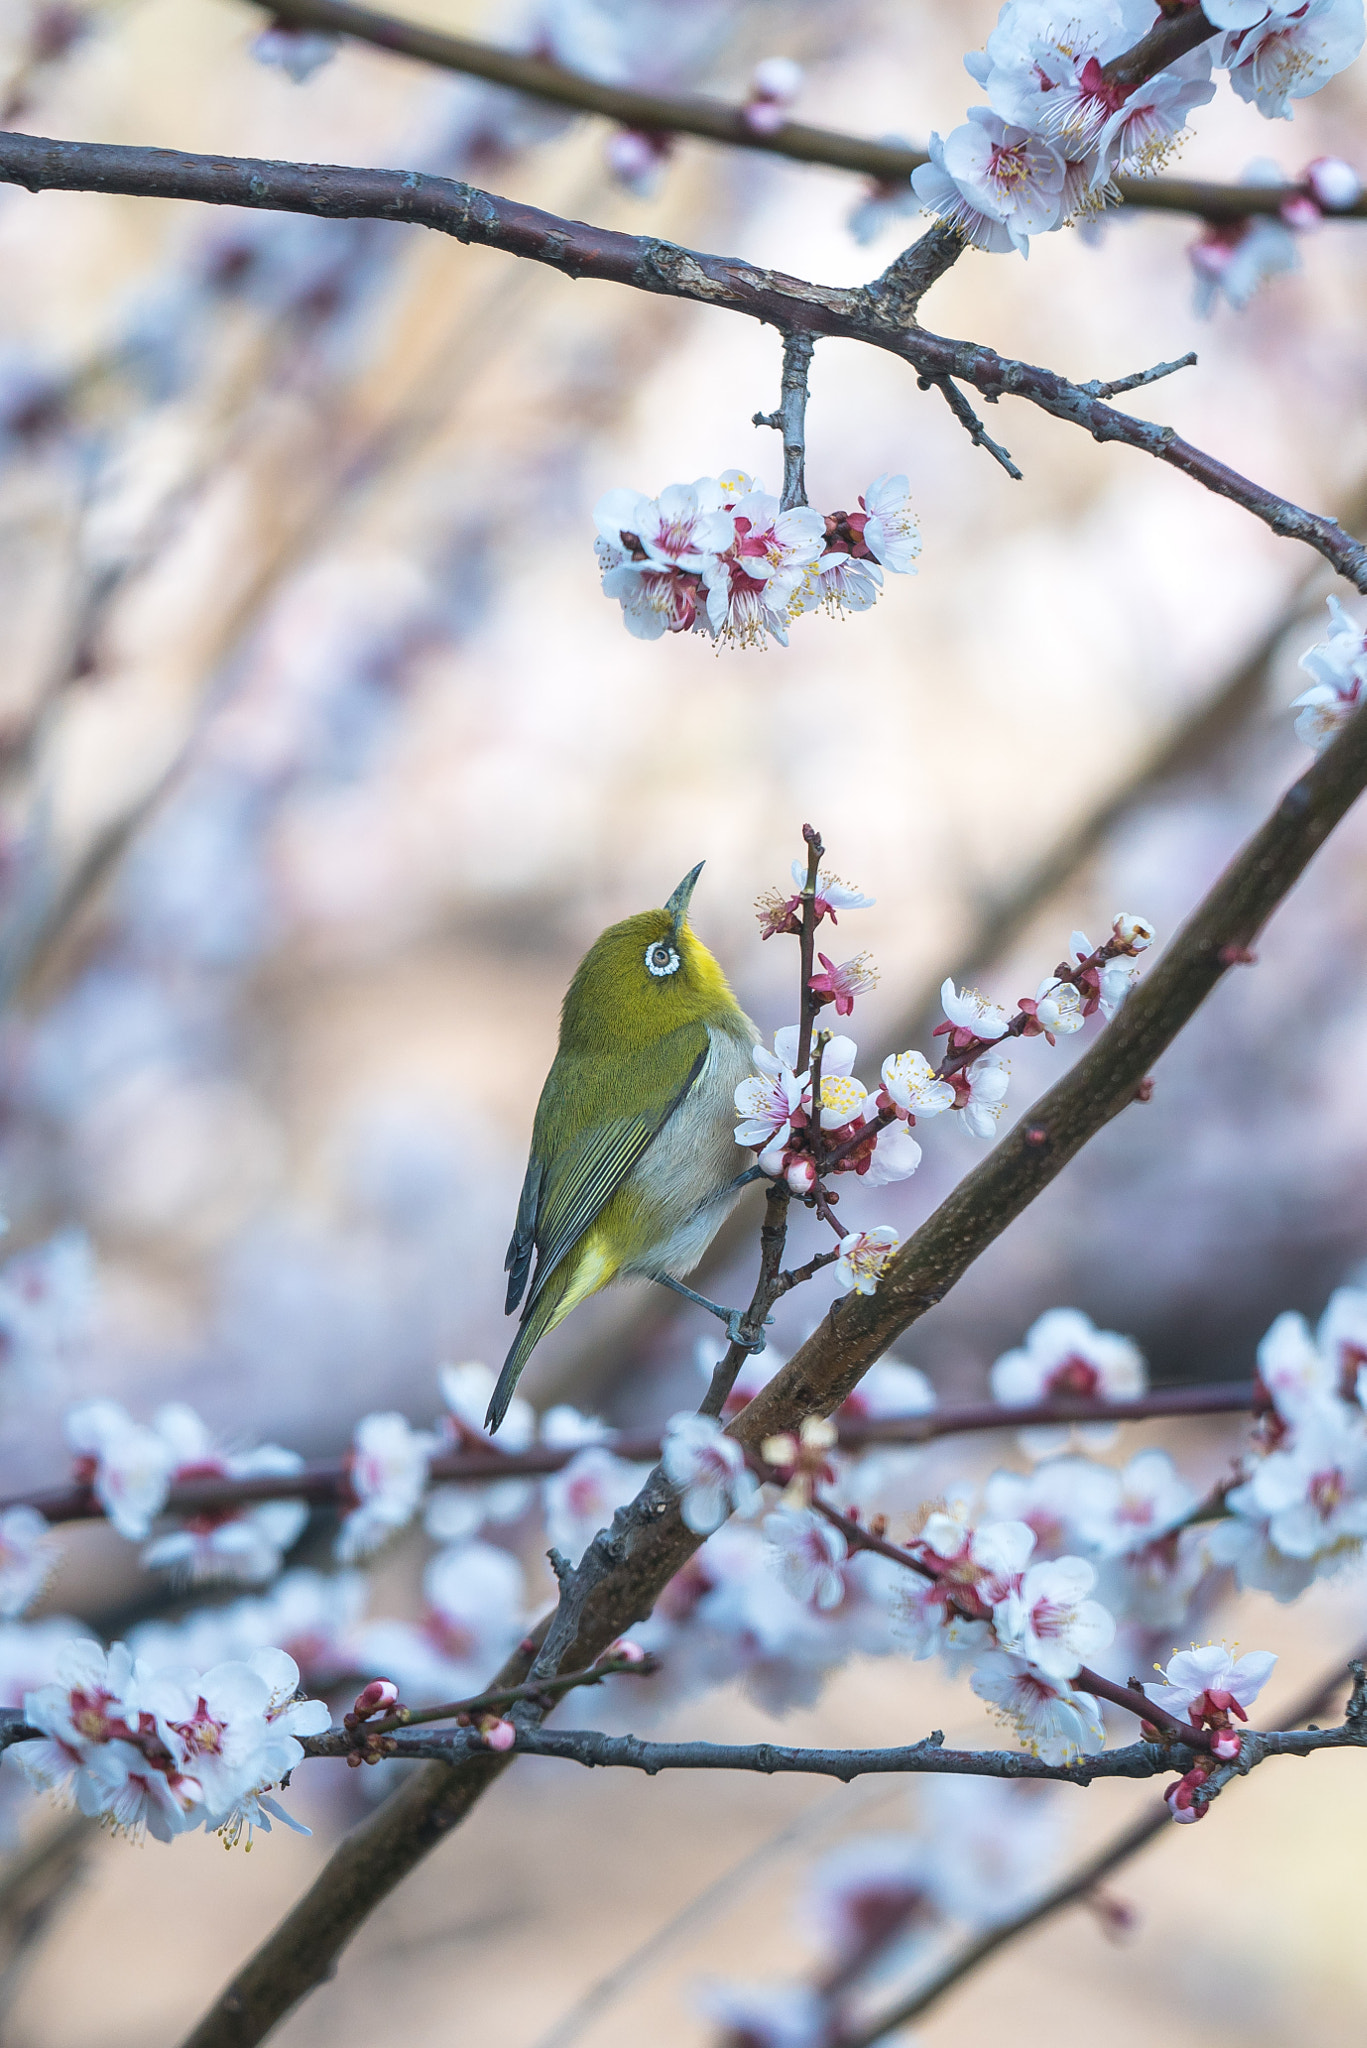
[518, 1263]
[595, 1169]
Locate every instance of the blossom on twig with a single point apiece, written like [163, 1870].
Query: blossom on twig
[709, 1469]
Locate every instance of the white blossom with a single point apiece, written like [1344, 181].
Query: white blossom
[890, 530]
[863, 1256]
[809, 1552]
[709, 1469]
[127, 1465]
[1065, 1356]
[1338, 668]
[971, 1013]
[912, 1085]
[1048, 1718]
[1049, 1620]
[766, 1101]
[27, 1558]
[1200, 1681]
[980, 1094]
[583, 1498]
[455, 1512]
[388, 1475]
[896, 1156]
[1291, 52]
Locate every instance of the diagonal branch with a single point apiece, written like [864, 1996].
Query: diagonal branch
[716, 121]
[647, 264]
[627, 1566]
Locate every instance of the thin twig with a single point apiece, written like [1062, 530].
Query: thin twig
[647, 264]
[791, 417]
[1132, 383]
[715, 121]
[972, 425]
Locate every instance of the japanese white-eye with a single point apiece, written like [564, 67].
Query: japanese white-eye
[633, 1162]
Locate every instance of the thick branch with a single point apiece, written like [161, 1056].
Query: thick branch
[715, 121]
[645, 264]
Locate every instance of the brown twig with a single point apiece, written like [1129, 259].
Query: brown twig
[647, 264]
[791, 417]
[716, 121]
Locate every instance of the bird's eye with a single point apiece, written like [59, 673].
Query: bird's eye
[661, 959]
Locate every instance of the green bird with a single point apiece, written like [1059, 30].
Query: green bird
[633, 1159]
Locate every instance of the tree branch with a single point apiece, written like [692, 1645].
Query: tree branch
[1070, 1891]
[791, 417]
[645, 263]
[715, 121]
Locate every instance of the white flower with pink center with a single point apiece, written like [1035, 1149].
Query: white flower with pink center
[891, 532]
[1144, 130]
[1201, 1683]
[832, 895]
[655, 601]
[1313, 1493]
[127, 1465]
[767, 1100]
[1049, 1620]
[1056, 1500]
[247, 1544]
[388, 1475]
[709, 1469]
[808, 1552]
[969, 1015]
[1008, 172]
[27, 1557]
[584, 1497]
[755, 587]
[1126, 1511]
[1338, 668]
[680, 529]
[1043, 71]
[1291, 52]
[1048, 1718]
[1064, 1357]
[864, 1255]
[941, 193]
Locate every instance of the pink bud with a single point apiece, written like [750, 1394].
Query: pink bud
[627, 1652]
[1301, 212]
[497, 1734]
[380, 1694]
[801, 1176]
[1225, 1744]
[1334, 183]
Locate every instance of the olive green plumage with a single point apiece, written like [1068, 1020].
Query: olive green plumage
[632, 1151]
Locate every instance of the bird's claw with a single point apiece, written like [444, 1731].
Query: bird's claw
[735, 1324]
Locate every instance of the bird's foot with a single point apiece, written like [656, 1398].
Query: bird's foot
[733, 1318]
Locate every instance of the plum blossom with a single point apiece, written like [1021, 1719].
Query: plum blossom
[584, 1497]
[1048, 1717]
[47, 1301]
[1337, 666]
[911, 1086]
[455, 1512]
[1290, 52]
[864, 1255]
[681, 529]
[993, 1840]
[1203, 1685]
[388, 1476]
[1142, 132]
[767, 1100]
[474, 1600]
[1065, 1356]
[710, 1471]
[1307, 1501]
[775, 83]
[896, 1156]
[808, 1553]
[91, 1750]
[842, 984]
[1333, 184]
[754, 586]
[1049, 1620]
[247, 1544]
[1055, 1500]
[127, 1465]
[890, 530]
[969, 1015]
[235, 1731]
[941, 193]
[970, 1569]
[1055, 1009]
[1121, 1512]
[27, 1558]
[980, 1094]
[1008, 173]
[869, 1892]
[766, 2015]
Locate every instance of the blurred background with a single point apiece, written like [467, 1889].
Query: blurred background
[322, 759]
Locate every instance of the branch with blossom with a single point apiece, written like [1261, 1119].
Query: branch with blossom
[888, 164]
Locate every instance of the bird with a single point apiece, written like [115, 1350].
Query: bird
[632, 1163]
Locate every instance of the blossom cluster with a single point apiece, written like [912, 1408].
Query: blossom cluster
[721, 557]
[162, 1751]
[1232, 257]
[867, 1132]
[1057, 130]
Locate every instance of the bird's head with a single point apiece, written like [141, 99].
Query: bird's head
[645, 977]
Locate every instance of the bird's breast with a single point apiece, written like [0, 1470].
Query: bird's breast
[675, 1186]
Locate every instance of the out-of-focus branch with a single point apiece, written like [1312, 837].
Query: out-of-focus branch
[647, 264]
[1072, 1890]
[715, 120]
[327, 1483]
[33, 1886]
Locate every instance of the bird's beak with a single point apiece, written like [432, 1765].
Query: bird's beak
[677, 905]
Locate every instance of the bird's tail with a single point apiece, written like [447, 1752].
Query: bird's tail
[542, 1316]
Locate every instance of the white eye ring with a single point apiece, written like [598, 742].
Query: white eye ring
[661, 959]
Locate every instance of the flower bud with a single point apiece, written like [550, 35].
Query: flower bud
[378, 1697]
[496, 1733]
[626, 1652]
[801, 1176]
[1133, 931]
[1334, 183]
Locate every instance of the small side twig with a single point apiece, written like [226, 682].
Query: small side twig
[971, 424]
[1096, 389]
[791, 417]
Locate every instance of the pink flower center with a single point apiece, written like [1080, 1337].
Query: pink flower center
[1076, 1377]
